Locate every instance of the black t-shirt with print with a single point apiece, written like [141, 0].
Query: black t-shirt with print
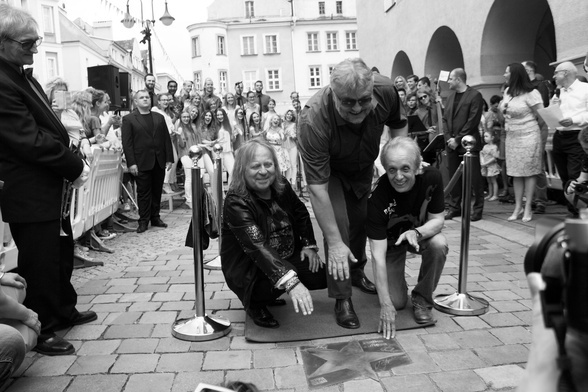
[391, 213]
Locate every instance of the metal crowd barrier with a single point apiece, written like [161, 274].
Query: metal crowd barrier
[8, 251]
[99, 197]
[91, 204]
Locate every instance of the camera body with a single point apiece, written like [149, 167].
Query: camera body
[581, 188]
[560, 254]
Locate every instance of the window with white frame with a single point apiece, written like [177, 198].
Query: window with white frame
[198, 81]
[249, 10]
[271, 44]
[222, 81]
[321, 7]
[220, 45]
[48, 23]
[350, 41]
[332, 42]
[273, 82]
[315, 76]
[313, 42]
[248, 45]
[339, 6]
[52, 65]
[331, 68]
[249, 79]
[196, 46]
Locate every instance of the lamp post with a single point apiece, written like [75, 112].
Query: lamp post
[128, 21]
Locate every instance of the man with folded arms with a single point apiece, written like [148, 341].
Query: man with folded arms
[35, 160]
[405, 214]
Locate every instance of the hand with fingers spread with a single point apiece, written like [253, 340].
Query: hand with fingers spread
[387, 325]
[314, 260]
[301, 299]
[338, 264]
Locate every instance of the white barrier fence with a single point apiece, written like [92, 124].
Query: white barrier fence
[91, 204]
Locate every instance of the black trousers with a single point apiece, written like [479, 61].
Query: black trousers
[453, 161]
[350, 215]
[567, 156]
[149, 187]
[264, 292]
[45, 260]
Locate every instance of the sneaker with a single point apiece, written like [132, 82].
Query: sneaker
[106, 235]
[80, 254]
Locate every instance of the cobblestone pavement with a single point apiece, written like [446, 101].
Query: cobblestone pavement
[148, 283]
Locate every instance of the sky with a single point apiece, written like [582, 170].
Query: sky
[173, 54]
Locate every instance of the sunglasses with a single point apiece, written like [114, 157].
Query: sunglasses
[349, 103]
[28, 44]
[423, 97]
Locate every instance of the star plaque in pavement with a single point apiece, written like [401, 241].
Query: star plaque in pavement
[339, 362]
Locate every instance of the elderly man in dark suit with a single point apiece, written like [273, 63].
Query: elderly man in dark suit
[35, 159]
[148, 150]
[462, 116]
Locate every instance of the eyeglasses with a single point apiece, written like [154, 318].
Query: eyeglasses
[423, 97]
[348, 102]
[28, 44]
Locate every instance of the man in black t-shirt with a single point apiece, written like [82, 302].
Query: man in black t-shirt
[406, 213]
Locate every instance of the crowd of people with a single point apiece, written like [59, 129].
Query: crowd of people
[510, 135]
[268, 246]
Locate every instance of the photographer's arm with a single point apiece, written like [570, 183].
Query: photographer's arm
[542, 373]
[572, 187]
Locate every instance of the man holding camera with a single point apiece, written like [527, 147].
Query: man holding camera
[577, 190]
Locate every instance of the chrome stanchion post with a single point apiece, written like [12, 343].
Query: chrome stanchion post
[461, 303]
[202, 326]
[217, 149]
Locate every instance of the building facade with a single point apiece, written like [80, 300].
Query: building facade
[423, 37]
[288, 45]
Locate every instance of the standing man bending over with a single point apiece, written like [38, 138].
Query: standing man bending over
[340, 129]
[405, 213]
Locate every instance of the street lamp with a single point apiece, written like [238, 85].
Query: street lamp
[128, 21]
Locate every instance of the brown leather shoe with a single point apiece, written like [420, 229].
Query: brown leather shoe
[54, 345]
[345, 314]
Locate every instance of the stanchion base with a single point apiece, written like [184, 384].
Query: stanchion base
[198, 329]
[213, 264]
[461, 304]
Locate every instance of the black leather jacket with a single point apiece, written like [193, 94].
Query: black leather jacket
[245, 247]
